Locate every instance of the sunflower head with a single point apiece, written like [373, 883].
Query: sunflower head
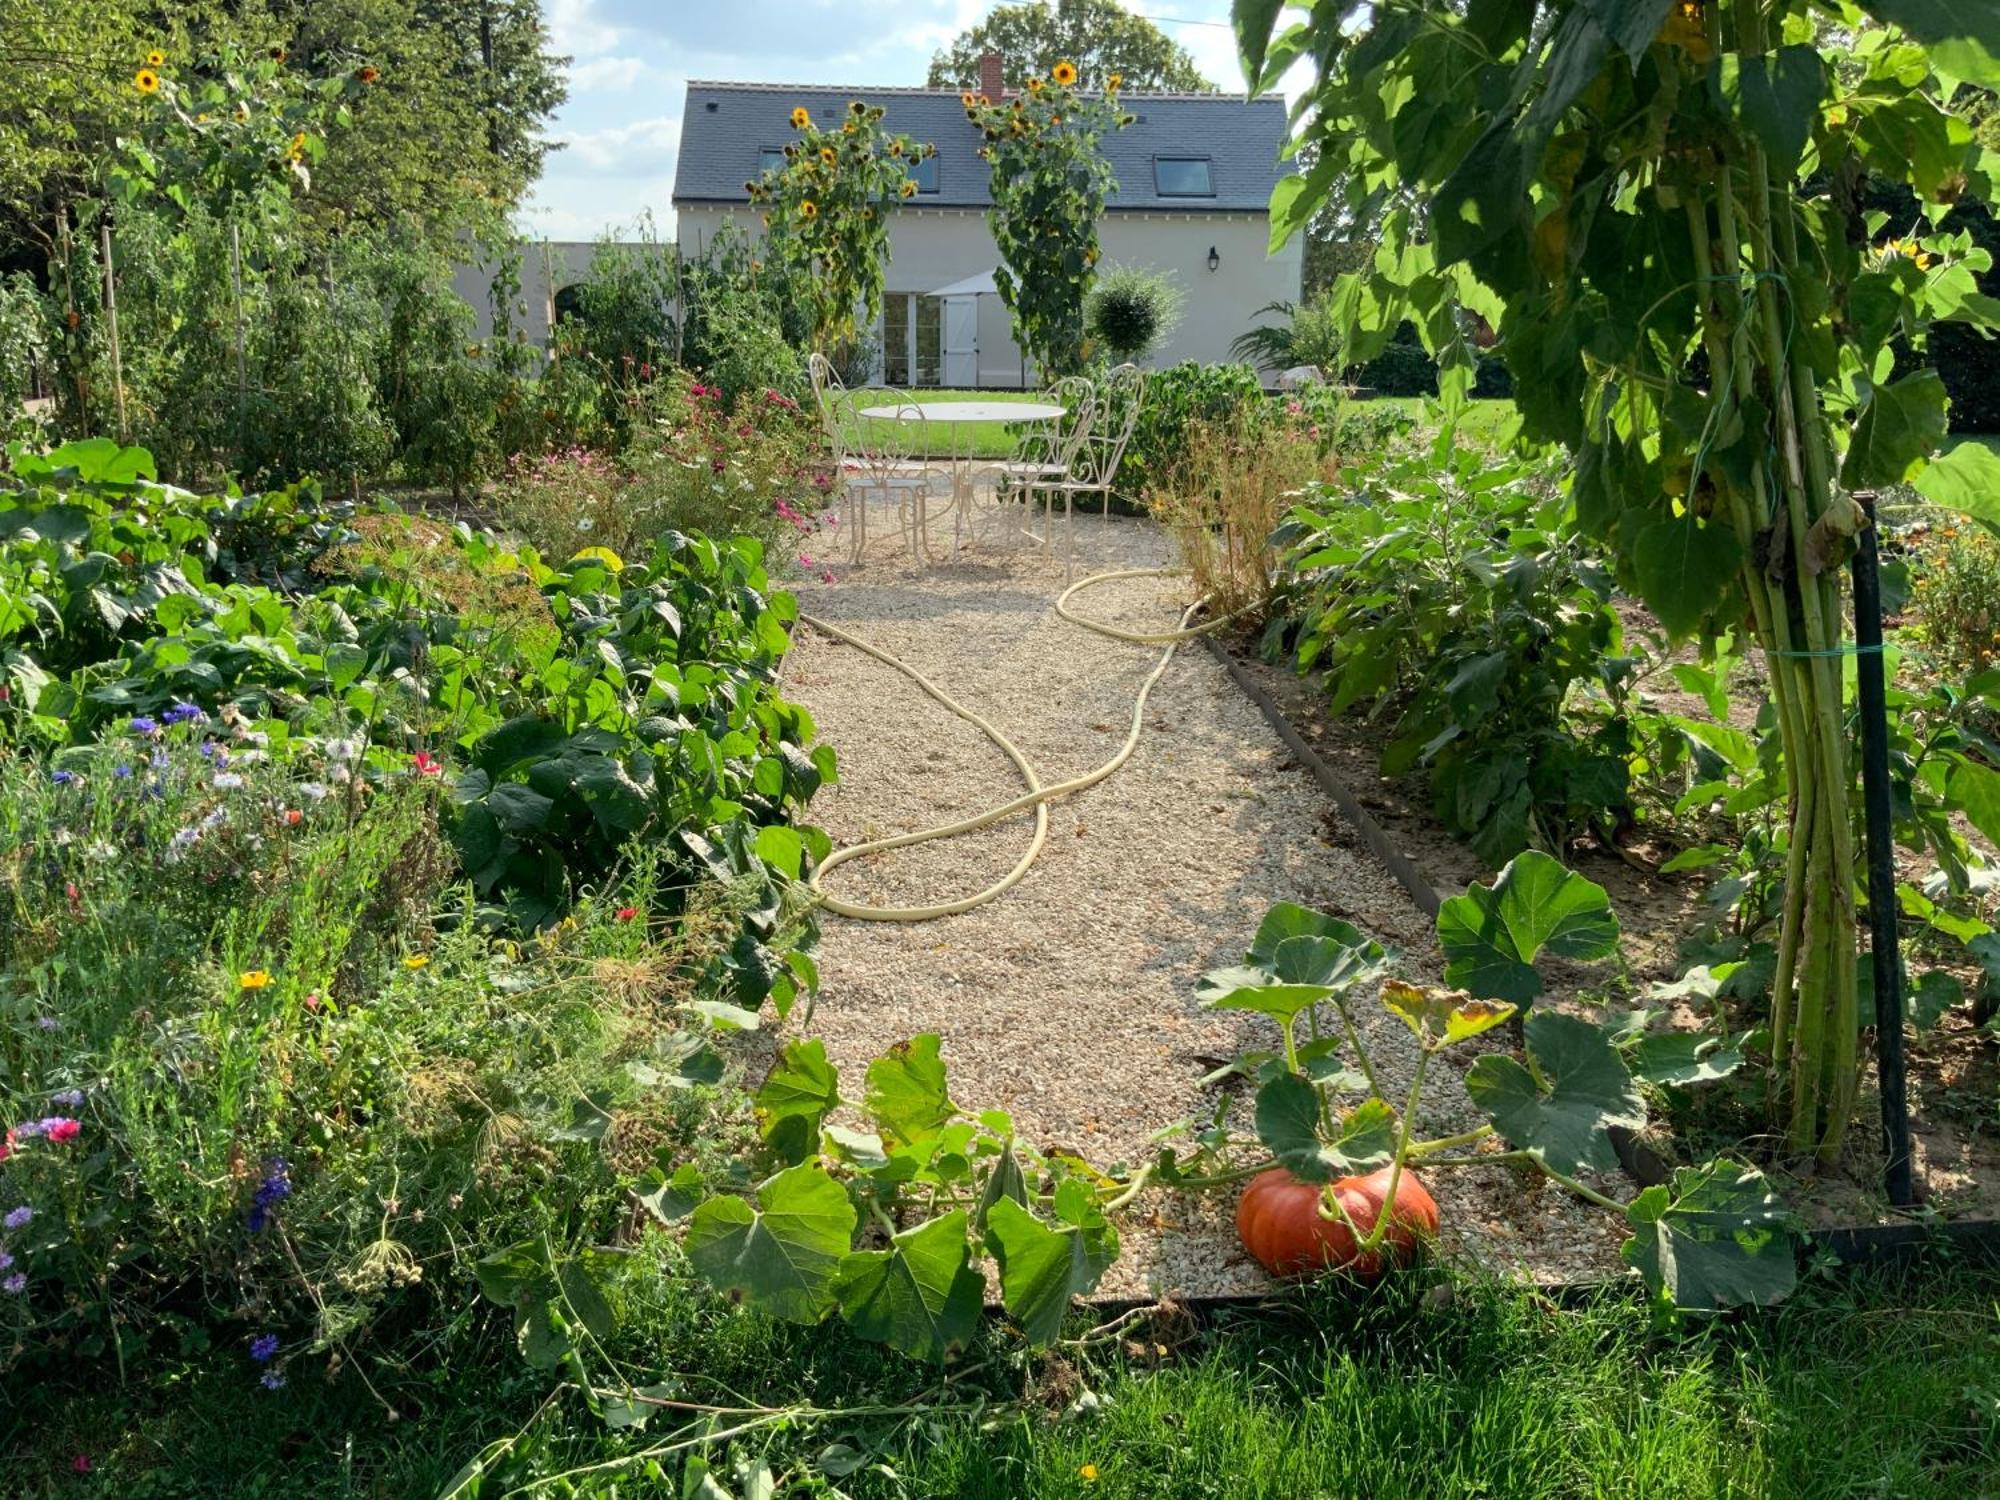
[895, 148]
[826, 155]
[1064, 73]
[801, 118]
[1113, 83]
[146, 81]
[156, 59]
[1034, 85]
[909, 188]
[808, 209]
[967, 99]
[856, 107]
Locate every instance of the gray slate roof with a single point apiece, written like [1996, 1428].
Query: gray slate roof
[728, 125]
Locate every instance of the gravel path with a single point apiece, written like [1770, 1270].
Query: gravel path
[1069, 1001]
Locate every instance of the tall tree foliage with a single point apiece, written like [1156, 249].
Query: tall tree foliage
[1657, 204]
[1100, 36]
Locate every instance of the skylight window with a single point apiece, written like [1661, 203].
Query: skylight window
[1183, 177]
[769, 157]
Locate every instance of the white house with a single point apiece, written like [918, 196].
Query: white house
[1195, 173]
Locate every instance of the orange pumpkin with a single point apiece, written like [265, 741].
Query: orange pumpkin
[1279, 1222]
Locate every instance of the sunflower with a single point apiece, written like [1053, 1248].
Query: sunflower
[826, 154]
[856, 107]
[801, 118]
[808, 209]
[1034, 85]
[848, 128]
[367, 75]
[967, 99]
[1064, 73]
[1113, 83]
[909, 188]
[156, 59]
[895, 148]
[146, 81]
[297, 150]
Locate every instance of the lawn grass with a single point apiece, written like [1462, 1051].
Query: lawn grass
[981, 440]
[1879, 1386]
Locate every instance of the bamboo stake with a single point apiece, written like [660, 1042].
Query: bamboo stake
[242, 378]
[111, 324]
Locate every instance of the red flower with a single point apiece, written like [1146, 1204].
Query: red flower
[81, 1463]
[427, 764]
[7, 1149]
[627, 913]
[293, 817]
[63, 1132]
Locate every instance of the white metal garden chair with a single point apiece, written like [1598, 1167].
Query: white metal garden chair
[1094, 466]
[1048, 449]
[891, 472]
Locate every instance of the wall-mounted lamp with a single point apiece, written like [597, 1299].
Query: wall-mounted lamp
[1214, 259]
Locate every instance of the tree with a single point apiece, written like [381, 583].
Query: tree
[1099, 36]
[1657, 205]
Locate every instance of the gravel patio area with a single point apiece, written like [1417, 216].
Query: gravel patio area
[1069, 1001]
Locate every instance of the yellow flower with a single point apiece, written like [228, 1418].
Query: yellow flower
[1112, 84]
[1034, 85]
[848, 128]
[1064, 73]
[908, 189]
[146, 81]
[253, 979]
[895, 148]
[826, 155]
[808, 209]
[416, 961]
[801, 118]
[966, 99]
[1088, 1473]
[156, 59]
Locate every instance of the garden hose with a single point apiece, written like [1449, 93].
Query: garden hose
[1037, 796]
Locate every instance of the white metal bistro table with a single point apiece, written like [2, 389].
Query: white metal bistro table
[960, 417]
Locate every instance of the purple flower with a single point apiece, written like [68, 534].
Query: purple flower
[159, 760]
[63, 778]
[216, 752]
[48, 1023]
[273, 1190]
[122, 772]
[272, 1381]
[14, 1285]
[144, 725]
[6, 1261]
[182, 713]
[264, 1348]
[19, 1218]
[68, 1098]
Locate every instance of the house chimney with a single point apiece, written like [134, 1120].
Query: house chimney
[991, 84]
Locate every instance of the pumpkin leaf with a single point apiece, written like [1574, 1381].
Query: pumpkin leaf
[906, 1091]
[921, 1295]
[1043, 1268]
[1492, 935]
[1560, 1117]
[1443, 1018]
[1717, 1237]
[781, 1252]
[1966, 480]
[1288, 1124]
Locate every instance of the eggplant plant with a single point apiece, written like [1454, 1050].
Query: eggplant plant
[1657, 206]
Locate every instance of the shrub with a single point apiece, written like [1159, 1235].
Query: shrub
[1310, 335]
[1958, 601]
[1130, 310]
[1175, 399]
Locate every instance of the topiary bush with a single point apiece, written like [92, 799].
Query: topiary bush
[1130, 310]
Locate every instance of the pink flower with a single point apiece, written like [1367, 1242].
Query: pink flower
[427, 764]
[627, 913]
[81, 1463]
[806, 562]
[826, 575]
[62, 1132]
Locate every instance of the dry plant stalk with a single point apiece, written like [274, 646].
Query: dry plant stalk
[1225, 497]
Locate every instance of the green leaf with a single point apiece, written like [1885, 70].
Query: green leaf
[582, 1301]
[669, 1199]
[1717, 1237]
[1902, 424]
[801, 1082]
[1975, 790]
[921, 1295]
[1677, 565]
[782, 848]
[1963, 35]
[1254, 21]
[1774, 96]
[1588, 1089]
[1685, 1057]
[1042, 1268]
[906, 1091]
[1288, 1118]
[779, 1254]
[1632, 24]
[1936, 993]
[1492, 935]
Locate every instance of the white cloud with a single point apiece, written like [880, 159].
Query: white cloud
[605, 75]
[641, 148]
[576, 28]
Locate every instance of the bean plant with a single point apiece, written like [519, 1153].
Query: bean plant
[1657, 205]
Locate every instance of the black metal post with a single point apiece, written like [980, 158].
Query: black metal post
[1897, 1174]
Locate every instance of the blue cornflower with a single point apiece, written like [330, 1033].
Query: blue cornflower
[215, 751]
[273, 1190]
[68, 1098]
[6, 1261]
[122, 772]
[63, 778]
[19, 1218]
[264, 1348]
[272, 1381]
[144, 725]
[183, 713]
[16, 1284]
[48, 1023]
[159, 760]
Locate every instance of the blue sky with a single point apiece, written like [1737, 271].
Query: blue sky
[631, 60]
